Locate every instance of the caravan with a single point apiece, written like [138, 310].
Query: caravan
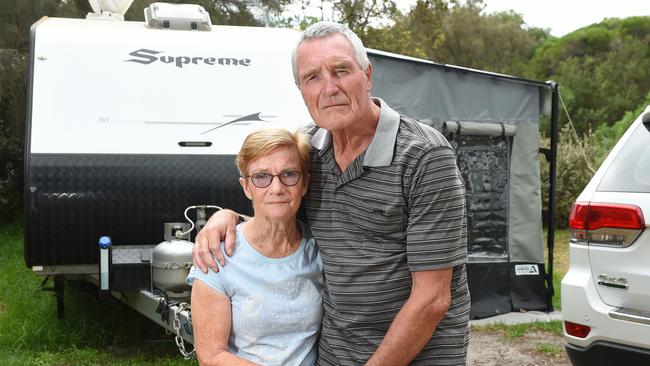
[132, 125]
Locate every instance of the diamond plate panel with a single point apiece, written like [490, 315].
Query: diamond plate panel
[135, 254]
[74, 199]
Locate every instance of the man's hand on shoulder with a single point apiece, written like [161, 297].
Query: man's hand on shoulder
[220, 227]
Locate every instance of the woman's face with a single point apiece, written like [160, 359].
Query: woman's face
[277, 201]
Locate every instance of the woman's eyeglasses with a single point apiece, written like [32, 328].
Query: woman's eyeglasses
[263, 180]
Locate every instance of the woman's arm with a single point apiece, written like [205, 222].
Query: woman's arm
[211, 322]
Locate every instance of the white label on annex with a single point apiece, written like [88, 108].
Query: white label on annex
[526, 270]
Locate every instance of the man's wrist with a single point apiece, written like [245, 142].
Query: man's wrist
[240, 218]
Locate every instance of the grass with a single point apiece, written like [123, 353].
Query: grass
[107, 332]
[515, 331]
[561, 251]
[93, 332]
[550, 349]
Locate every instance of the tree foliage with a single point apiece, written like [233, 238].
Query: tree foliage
[12, 115]
[416, 33]
[462, 34]
[358, 14]
[495, 42]
[608, 134]
[576, 155]
[603, 69]
[17, 16]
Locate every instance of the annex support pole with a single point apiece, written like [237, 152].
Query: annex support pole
[550, 229]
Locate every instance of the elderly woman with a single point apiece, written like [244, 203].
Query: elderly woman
[264, 306]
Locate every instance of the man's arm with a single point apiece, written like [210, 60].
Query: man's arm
[220, 227]
[435, 239]
[417, 320]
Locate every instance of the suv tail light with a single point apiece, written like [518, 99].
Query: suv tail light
[576, 330]
[605, 223]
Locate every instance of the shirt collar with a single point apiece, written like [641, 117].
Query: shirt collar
[381, 148]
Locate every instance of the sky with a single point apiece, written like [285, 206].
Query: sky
[563, 16]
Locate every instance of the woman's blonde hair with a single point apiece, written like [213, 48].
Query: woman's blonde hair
[261, 142]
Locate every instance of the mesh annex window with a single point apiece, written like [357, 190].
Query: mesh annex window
[483, 155]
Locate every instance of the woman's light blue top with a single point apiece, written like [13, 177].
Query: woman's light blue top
[276, 302]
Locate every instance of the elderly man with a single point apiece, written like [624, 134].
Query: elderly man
[386, 206]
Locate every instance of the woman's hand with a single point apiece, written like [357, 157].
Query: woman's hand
[220, 227]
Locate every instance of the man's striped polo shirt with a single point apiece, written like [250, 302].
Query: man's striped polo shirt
[398, 208]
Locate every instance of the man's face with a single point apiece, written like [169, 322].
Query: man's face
[335, 89]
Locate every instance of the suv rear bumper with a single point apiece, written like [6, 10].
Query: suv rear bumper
[581, 304]
[606, 353]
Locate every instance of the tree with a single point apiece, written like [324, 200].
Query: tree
[358, 14]
[575, 163]
[17, 16]
[496, 42]
[603, 69]
[12, 115]
[416, 33]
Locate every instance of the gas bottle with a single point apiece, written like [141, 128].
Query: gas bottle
[171, 261]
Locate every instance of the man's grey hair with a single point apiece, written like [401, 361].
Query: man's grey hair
[326, 29]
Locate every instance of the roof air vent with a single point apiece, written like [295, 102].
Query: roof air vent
[177, 17]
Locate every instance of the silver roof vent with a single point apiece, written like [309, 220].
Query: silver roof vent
[177, 17]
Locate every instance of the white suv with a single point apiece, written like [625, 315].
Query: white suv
[606, 293]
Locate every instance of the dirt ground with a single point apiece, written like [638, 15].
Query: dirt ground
[535, 348]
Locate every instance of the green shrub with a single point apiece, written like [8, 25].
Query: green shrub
[579, 157]
[607, 135]
[576, 164]
[12, 126]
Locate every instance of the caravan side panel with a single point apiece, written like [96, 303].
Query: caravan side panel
[129, 126]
